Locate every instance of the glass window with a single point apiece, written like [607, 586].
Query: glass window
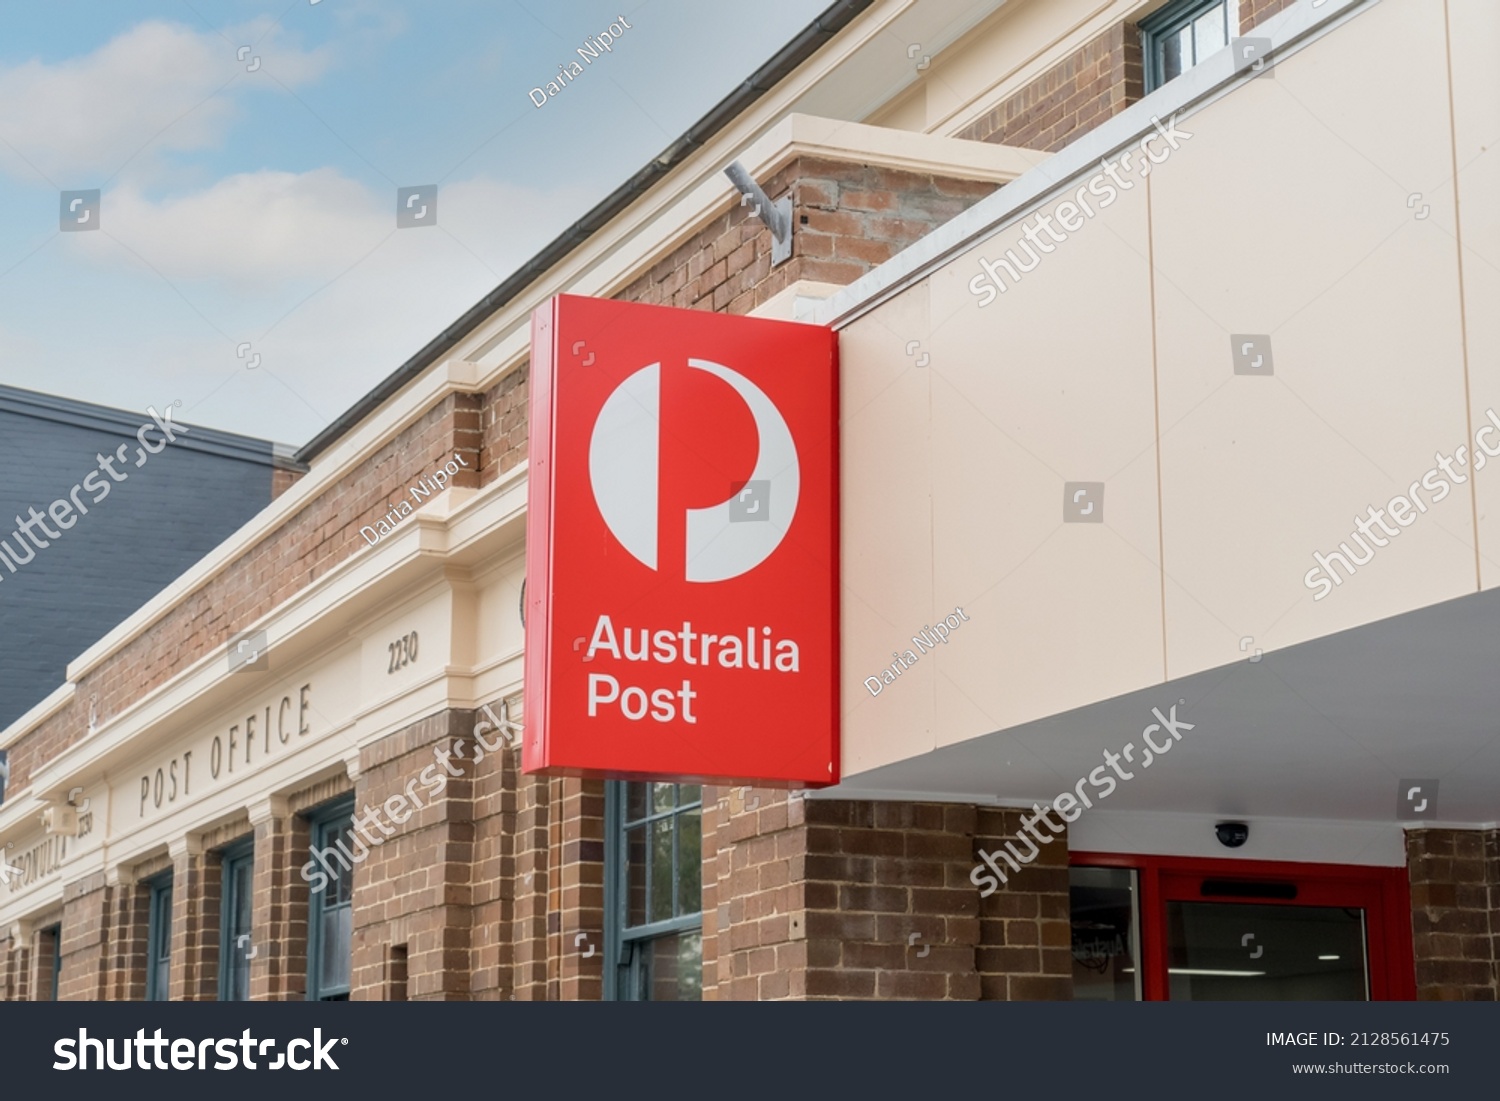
[235, 945]
[1106, 938]
[53, 937]
[330, 918]
[1184, 34]
[159, 940]
[1237, 952]
[654, 892]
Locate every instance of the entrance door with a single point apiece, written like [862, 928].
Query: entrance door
[1230, 930]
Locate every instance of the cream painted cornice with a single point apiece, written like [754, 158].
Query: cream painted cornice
[269, 809]
[189, 845]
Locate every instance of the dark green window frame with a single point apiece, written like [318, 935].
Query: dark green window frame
[159, 939]
[237, 884]
[628, 940]
[1161, 27]
[328, 825]
[55, 934]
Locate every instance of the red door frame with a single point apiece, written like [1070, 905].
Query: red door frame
[1383, 893]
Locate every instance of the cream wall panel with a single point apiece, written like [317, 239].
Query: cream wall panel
[886, 592]
[1017, 398]
[1030, 395]
[1474, 27]
[1286, 215]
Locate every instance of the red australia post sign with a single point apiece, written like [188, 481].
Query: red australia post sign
[681, 546]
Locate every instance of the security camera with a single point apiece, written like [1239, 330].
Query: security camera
[1232, 834]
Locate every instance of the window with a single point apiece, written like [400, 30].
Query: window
[1184, 34]
[237, 872]
[159, 939]
[1158, 928]
[653, 897]
[1106, 937]
[52, 936]
[330, 912]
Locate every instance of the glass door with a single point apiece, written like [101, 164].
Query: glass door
[1238, 930]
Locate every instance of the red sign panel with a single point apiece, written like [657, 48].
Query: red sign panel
[681, 546]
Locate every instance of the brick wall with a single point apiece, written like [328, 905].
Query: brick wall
[412, 893]
[196, 894]
[1025, 942]
[1095, 83]
[848, 219]
[279, 909]
[43, 957]
[501, 431]
[483, 892]
[1255, 12]
[1455, 899]
[822, 899]
[283, 480]
[88, 914]
[15, 969]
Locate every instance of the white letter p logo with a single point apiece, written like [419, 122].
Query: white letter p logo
[624, 460]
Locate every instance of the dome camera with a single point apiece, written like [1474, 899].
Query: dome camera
[1232, 834]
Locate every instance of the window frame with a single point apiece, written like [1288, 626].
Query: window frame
[1168, 20]
[1136, 908]
[231, 858]
[54, 931]
[622, 941]
[319, 822]
[1383, 893]
[158, 920]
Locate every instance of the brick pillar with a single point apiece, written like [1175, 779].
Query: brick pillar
[43, 952]
[15, 971]
[755, 923]
[825, 899]
[494, 885]
[1455, 899]
[1255, 12]
[412, 893]
[713, 819]
[99, 919]
[278, 913]
[529, 888]
[126, 907]
[1025, 947]
[195, 922]
[576, 892]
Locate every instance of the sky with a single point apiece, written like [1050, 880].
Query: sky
[244, 258]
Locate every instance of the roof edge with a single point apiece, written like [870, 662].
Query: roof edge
[806, 43]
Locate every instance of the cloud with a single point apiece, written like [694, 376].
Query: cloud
[249, 230]
[153, 87]
[255, 231]
[309, 268]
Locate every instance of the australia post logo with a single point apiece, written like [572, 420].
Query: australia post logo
[682, 554]
[725, 539]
